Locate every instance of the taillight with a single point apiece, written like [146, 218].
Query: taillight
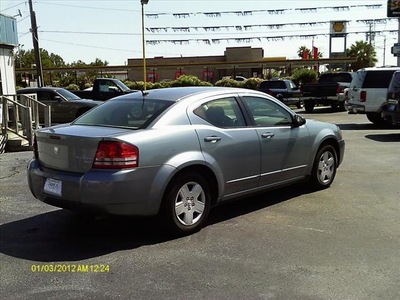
[363, 96]
[339, 89]
[116, 155]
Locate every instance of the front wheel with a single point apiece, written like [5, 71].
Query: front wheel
[324, 168]
[376, 119]
[187, 203]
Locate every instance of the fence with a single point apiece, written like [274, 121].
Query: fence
[20, 115]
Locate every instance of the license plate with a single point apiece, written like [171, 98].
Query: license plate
[53, 187]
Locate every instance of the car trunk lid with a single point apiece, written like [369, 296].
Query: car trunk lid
[72, 148]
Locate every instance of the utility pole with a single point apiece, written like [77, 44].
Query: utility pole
[36, 49]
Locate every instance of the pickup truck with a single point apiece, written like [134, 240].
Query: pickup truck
[327, 91]
[282, 89]
[104, 89]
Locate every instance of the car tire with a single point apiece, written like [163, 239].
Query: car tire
[187, 203]
[309, 106]
[376, 119]
[324, 168]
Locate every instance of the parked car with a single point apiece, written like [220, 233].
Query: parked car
[104, 89]
[391, 109]
[327, 91]
[284, 90]
[176, 152]
[368, 91]
[65, 106]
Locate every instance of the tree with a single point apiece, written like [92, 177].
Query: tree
[26, 60]
[303, 49]
[365, 54]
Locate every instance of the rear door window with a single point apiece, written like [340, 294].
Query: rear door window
[224, 112]
[378, 79]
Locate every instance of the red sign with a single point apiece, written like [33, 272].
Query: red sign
[179, 73]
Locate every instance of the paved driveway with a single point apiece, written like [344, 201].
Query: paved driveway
[292, 243]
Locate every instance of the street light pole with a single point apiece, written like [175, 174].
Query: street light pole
[143, 2]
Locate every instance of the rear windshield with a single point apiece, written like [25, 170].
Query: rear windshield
[273, 85]
[127, 113]
[335, 77]
[378, 79]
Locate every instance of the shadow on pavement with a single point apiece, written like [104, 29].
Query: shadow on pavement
[390, 137]
[362, 126]
[62, 235]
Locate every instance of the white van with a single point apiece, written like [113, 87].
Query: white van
[368, 91]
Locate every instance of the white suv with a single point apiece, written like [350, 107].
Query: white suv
[368, 90]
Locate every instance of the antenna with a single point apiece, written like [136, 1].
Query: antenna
[19, 14]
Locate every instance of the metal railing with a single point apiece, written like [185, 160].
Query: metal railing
[20, 115]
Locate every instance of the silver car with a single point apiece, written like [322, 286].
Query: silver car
[177, 152]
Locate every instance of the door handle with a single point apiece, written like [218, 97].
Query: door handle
[267, 135]
[212, 139]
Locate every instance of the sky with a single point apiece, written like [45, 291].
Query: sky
[112, 30]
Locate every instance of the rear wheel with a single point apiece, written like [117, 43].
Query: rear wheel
[309, 106]
[324, 168]
[187, 203]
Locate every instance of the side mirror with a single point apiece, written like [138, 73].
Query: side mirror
[298, 121]
[57, 98]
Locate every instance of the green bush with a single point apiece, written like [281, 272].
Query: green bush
[72, 87]
[188, 80]
[252, 83]
[228, 82]
[303, 75]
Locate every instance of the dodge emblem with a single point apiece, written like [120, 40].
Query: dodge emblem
[56, 150]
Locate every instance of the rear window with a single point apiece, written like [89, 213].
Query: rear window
[272, 85]
[378, 79]
[127, 113]
[335, 77]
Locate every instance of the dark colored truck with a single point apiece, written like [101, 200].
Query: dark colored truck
[328, 90]
[282, 89]
[104, 89]
[391, 109]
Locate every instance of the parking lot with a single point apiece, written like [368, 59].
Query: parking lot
[291, 243]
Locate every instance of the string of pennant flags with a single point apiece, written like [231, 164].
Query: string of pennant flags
[262, 11]
[248, 28]
[252, 39]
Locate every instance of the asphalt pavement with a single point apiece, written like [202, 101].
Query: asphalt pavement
[291, 243]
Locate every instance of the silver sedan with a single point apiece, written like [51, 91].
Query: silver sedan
[177, 152]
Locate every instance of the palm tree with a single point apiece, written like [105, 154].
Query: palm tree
[364, 53]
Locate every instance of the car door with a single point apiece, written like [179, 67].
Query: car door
[284, 147]
[228, 145]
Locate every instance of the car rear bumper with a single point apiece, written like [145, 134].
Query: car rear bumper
[122, 192]
[354, 108]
